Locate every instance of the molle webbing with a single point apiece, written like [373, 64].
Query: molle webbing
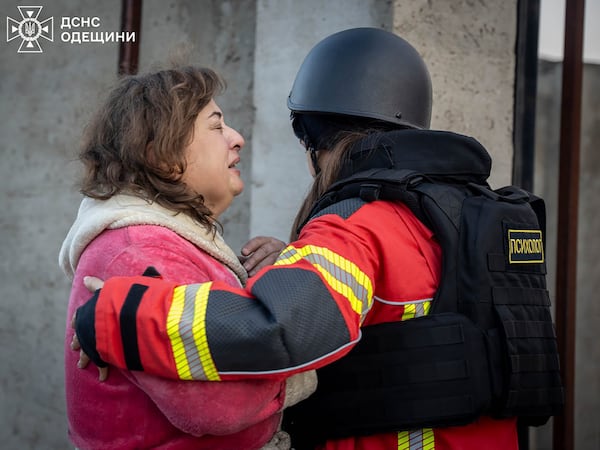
[492, 288]
[398, 378]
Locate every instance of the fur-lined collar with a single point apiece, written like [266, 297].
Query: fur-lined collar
[95, 216]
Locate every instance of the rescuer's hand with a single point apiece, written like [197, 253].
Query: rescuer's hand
[92, 284]
[259, 252]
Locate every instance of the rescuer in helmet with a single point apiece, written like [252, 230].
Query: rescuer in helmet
[361, 107]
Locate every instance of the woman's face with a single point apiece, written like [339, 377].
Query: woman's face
[211, 159]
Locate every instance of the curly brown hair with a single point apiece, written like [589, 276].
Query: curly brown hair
[136, 141]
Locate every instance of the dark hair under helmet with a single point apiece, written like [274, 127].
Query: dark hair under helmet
[364, 72]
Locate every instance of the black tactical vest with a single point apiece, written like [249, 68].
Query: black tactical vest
[488, 344]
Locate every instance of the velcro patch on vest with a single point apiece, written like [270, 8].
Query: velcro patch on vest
[525, 246]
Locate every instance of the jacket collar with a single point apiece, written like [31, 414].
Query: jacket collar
[431, 153]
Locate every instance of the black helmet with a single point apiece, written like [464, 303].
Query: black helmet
[364, 72]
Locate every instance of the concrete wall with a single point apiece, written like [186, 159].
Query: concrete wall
[257, 45]
[44, 101]
[469, 49]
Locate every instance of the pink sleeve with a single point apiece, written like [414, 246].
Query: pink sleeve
[197, 407]
[203, 407]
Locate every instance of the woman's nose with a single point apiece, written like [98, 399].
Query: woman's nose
[235, 138]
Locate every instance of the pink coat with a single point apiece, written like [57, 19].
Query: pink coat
[135, 410]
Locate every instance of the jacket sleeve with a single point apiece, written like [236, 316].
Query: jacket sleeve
[197, 408]
[299, 314]
[203, 408]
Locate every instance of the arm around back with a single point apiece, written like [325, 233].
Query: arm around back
[299, 314]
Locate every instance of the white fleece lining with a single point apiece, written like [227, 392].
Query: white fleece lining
[95, 216]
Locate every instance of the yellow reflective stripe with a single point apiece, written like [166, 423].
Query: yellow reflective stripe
[199, 333]
[426, 307]
[173, 319]
[292, 255]
[416, 440]
[403, 441]
[186, 369]
[409, 311]
[412, 310]
[428, 439]
[343, 289]
[287, 257]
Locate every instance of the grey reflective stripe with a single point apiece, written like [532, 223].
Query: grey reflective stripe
[419, 309]
[416, 440]
[342, 275]
[288, 253]
[187, 336]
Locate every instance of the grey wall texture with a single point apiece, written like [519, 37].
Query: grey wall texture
[257, 45]
[469, 49]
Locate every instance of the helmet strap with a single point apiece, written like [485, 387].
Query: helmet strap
[301, 133]
[314, 160]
